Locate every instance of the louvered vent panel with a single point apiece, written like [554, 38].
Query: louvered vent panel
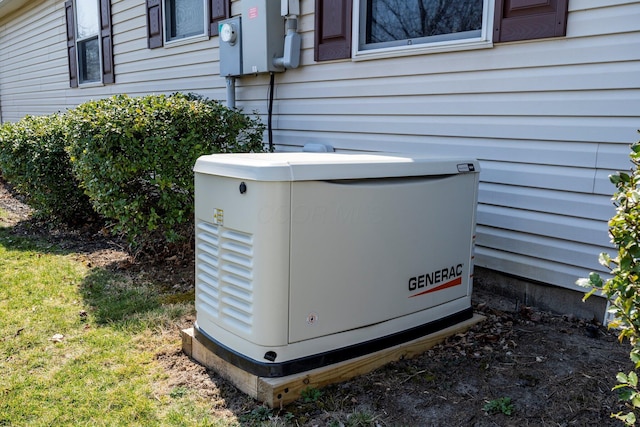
[236, 278]
[207, 273]
[224, 275]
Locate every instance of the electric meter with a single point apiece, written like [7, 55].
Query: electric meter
[228, 33]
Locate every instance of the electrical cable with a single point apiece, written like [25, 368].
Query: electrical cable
[270, 112]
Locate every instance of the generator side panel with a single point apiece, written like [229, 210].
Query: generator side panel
[242, 260]
[368, 251]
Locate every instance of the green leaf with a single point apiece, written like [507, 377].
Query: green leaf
[622, 378]
[604, 259]
[632, 379]
[630, 419]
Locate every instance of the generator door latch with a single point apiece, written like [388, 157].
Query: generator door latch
[466, 167]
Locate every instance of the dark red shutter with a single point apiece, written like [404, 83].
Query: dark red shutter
[218, 10]
[332, 29]
[108, 76]
[71, 44]
[154, 24]
[529, 19]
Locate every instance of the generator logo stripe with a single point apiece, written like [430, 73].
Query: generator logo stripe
[449, 284]
[436, 280]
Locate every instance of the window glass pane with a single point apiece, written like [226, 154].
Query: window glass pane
[87, 18]
[185, 18]
[421, 21]
[89, 60]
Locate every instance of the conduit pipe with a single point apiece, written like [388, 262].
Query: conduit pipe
[231, 92]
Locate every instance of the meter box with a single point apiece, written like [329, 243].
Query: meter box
[255, 42]
[308, 259]
[230, 47]
[263, 36]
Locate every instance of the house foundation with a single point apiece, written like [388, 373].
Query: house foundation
[546, 297]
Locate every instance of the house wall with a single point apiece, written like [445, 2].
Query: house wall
[34, 71]
[548, 119]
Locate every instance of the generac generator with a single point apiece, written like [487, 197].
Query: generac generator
[308, 259]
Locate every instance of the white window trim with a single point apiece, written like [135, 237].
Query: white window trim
[482, 42]
[90, 84]
[184, 40]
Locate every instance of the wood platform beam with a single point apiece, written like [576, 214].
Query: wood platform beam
[277, 392]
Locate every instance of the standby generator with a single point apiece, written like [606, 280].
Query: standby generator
[308, 259]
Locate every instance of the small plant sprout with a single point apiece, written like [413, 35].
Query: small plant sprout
[310, 394]
[178, 392]
[502, 405]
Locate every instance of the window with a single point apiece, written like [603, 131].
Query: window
[89, 45]
[393, 27]
[401, 25]
[183, 19]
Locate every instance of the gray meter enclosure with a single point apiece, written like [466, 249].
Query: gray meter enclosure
[257, 41]
[231, 51]
[263, 33]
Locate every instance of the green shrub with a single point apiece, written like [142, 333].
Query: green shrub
[33, 159]
[135, 157]
[622, 289]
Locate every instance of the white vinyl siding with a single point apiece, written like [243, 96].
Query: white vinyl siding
[34, 70]
[33, 62]
[548, 119]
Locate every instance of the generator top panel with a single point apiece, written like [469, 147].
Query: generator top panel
[297, 166]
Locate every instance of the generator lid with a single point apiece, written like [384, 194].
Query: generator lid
[305, 166]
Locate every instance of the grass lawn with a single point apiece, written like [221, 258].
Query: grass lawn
[86, 345]
[78, 346]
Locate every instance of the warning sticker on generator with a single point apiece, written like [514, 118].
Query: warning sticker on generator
[218, 216]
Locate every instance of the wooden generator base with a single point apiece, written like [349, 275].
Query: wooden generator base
[276, 392]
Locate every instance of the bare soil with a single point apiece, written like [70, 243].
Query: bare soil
[555, 369]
